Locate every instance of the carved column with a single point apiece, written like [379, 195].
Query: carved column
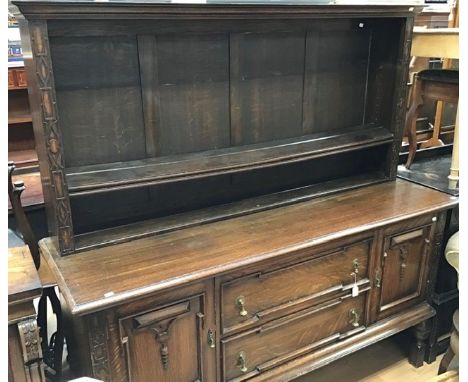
[31, 350]
[45, 102]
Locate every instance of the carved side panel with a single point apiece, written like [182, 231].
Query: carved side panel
[98, 347]
[399, 110]
[52, 137]
[31, 349]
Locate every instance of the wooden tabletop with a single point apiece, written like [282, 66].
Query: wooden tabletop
[23, 280]
[100, 278]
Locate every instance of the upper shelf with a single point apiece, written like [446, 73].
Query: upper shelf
[98, 178]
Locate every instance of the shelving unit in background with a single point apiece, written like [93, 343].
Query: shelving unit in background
[21, 146]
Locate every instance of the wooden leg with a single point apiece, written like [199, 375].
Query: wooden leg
[418, 348]
[434, 140]
[410, 124]
[447, 358]
[454, 167]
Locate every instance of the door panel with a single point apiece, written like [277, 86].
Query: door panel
[166, 344]
[404, 269]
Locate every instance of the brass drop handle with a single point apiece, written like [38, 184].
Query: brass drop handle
[241, 361]
[377, 279]
[240, 302]
[355, 266]
[354, 318]
[211, 338]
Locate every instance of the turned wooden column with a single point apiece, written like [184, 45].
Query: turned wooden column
[418, 348]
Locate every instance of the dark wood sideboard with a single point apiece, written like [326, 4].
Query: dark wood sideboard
[220, 183]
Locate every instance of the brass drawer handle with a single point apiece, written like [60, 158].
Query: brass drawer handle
[211, 339]
[240, 302]
[241, 361]
[378, 279]
[354, 318]
[355, 266]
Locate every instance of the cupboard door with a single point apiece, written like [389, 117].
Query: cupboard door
[167, 343]
[404, 269]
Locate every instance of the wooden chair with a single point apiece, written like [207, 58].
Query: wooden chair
[437, 85]
[53, 351]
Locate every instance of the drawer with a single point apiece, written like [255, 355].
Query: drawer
[253, 352]
[264, 295]
[11, 79]
[21, 78]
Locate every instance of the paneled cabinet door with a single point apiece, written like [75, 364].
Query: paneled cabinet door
[169, 343]
[404, 268]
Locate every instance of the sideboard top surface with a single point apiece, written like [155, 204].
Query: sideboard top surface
[125, 271]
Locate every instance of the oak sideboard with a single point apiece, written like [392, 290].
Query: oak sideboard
[220, 184]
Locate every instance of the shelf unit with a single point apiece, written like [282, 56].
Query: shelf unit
[21, 144]
[150, 125]
[99, 178]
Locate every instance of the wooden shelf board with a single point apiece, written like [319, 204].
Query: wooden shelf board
[216, 213]
[18, 118]
[98, 178]
[23, 157]
[17, 88]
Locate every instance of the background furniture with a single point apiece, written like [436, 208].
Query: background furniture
[450, 360]
[430, 84]
[197, 158]
[436, 120]
[52, 351]
[430, 43]
[24, 350]
[21, 146]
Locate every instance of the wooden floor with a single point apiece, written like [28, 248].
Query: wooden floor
[383, 362]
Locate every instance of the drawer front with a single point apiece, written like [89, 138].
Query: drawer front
[253, 352]
[11, 79]
[263, 295]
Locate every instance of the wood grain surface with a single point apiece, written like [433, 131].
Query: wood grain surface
[129, 270]
[23, 281]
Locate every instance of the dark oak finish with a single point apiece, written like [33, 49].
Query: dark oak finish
[148, 282]
[269, 291]
[166, 261]
[145, 100]
[223, 179]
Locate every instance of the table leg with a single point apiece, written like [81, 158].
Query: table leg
[454, 167]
